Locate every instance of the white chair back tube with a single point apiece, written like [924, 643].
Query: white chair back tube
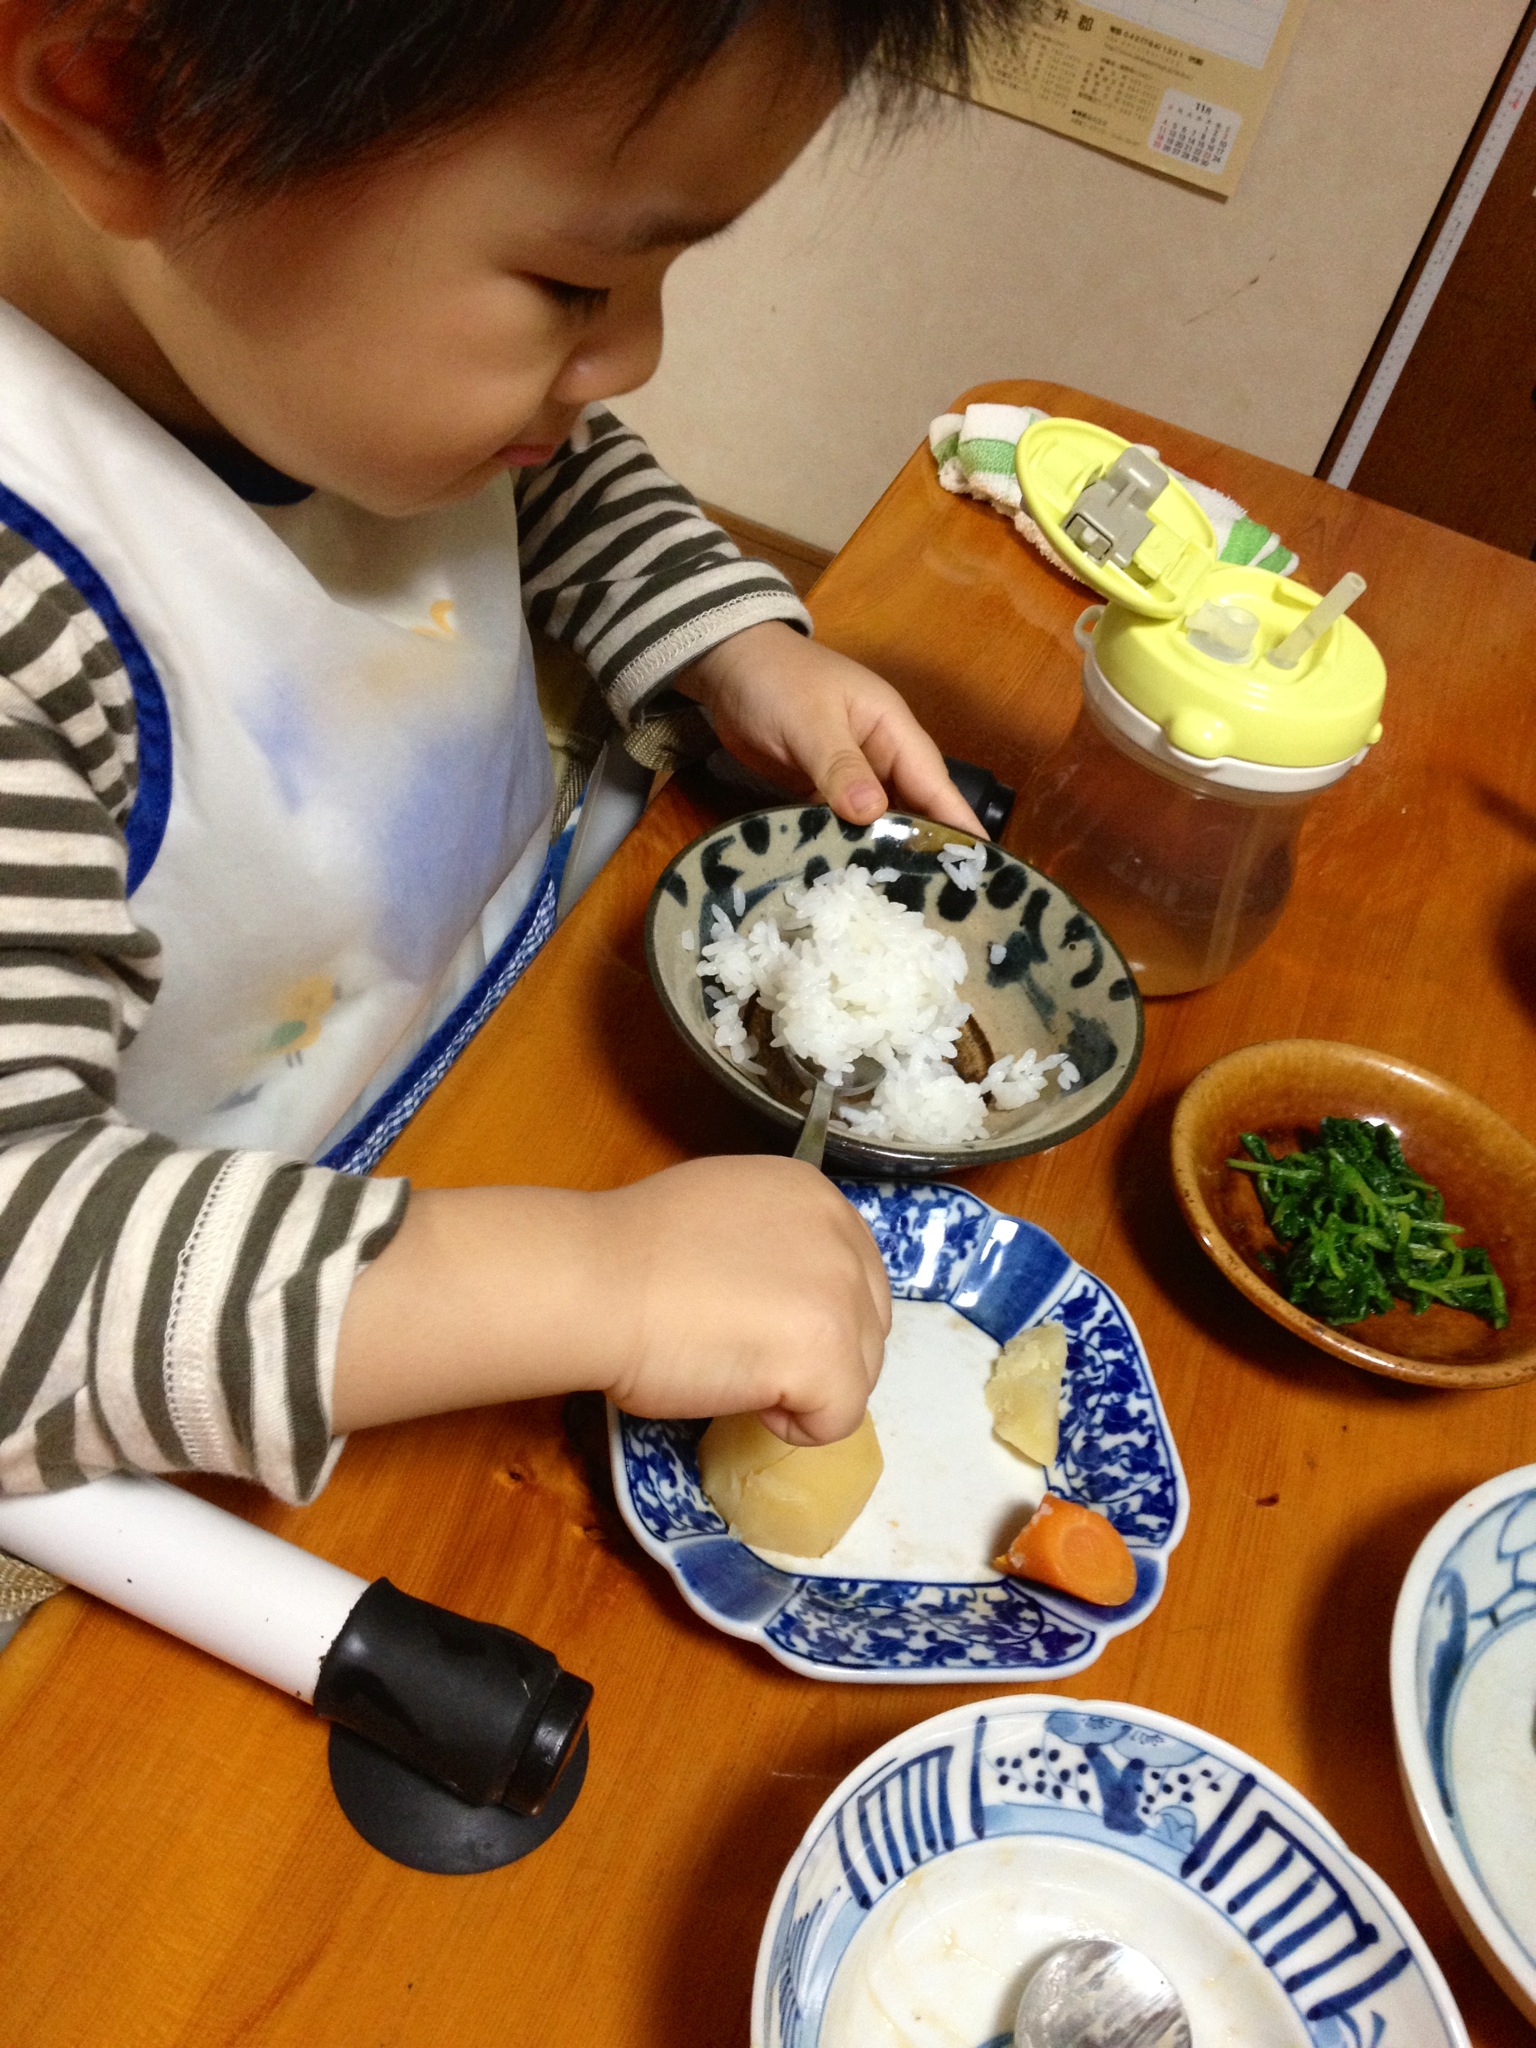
[175, 1561]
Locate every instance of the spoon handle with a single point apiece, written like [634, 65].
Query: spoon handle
[813, 1138]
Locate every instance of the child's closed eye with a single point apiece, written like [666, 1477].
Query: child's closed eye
[574, 298]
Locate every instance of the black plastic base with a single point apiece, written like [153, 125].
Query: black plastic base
[424, 1826]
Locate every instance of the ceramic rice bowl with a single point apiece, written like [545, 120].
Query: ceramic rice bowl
[1058, 984]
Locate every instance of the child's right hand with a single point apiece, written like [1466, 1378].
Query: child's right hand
[741, 1284]
[721, 1287]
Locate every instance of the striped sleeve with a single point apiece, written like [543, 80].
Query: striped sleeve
[620, 565]
[163, 1307]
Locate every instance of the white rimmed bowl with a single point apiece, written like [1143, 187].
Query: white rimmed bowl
[948, 1863]
[1463, 1708]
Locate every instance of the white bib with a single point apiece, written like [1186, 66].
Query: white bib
[342, 826]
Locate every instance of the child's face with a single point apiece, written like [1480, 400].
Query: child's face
[401, 336]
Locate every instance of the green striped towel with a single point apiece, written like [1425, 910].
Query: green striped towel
[974, 451]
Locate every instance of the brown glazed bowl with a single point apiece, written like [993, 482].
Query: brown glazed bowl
[1483, 1166]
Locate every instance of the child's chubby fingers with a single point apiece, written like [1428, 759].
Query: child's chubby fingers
[801, 712]
[844, 779]
[807, 1428]
[741, 1284]
[862, 755]
[912, 769]
[814, 728]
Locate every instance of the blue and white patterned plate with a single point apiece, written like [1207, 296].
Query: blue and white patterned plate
[952, 1860]
[909, 1594]
[1464, 1707]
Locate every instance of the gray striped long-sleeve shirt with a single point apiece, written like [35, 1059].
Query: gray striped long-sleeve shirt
[166, 1307]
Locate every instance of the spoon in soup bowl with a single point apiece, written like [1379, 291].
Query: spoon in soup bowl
[1096, 1993]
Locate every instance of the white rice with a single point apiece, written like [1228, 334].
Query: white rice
[964, 865]
[1019, 1078]
[844, 972]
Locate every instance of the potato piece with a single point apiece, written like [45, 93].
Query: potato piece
[1024, 1392]
[777, 1496]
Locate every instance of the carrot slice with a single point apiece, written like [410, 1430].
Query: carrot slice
[1066, 1545]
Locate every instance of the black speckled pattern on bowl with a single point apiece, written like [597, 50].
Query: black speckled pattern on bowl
[1061, 985]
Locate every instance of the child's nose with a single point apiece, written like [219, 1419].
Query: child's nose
[618, 355]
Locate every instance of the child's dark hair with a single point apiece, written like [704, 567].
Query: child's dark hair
[252, 96]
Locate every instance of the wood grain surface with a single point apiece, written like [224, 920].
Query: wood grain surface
[172, 1867]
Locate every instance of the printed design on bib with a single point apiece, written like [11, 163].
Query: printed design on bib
[365, 1144]
[444, 789]
[306, 1004]
[300, 1011]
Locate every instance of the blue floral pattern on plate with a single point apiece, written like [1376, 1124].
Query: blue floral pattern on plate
[1352, 1966]
[940, 1243]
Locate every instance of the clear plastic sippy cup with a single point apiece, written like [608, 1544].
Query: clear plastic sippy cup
[1217, 701]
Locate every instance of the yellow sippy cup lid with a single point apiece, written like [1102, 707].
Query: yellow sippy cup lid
[1115, 516]
[1228, 663]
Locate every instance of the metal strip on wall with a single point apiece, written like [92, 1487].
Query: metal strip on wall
[1522, 82]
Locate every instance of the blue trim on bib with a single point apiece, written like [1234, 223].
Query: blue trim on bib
[371, 1136]
[146, 822]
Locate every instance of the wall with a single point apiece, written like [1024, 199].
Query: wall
[807, 350]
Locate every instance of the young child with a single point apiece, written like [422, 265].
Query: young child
[308, 311]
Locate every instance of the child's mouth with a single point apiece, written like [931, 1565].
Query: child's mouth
[525, 454]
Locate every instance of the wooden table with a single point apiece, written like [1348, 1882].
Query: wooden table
[172, 1867]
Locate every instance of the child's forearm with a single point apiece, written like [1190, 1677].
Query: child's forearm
[485, 1295]
[717, 1287]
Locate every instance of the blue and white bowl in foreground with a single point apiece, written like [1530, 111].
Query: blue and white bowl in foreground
[909, 1594]
[951, 1861]
[1463, 1705]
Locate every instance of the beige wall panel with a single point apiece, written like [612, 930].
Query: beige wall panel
[807, 350]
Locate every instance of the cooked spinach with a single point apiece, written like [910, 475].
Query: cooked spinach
[1358, 1227]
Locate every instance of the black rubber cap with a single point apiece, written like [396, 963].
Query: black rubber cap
[425, 1826]
[466, 1704]
[991, 800]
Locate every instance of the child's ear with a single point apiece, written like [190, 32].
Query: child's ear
[69, 97]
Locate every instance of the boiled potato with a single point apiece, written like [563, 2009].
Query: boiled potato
[1024, 1392]
[777, 1496]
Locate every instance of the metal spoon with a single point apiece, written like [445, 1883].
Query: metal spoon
[1096, 1993]
[862, 1078]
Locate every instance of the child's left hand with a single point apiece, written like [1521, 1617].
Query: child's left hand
[799, 713]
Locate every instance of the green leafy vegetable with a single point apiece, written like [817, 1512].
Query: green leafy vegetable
[1358, 1227]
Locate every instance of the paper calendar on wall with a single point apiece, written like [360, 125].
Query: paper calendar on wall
[1177, 85]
